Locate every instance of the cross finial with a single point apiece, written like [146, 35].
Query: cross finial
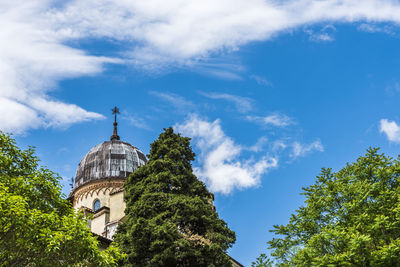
[115, 111]
[115, 135]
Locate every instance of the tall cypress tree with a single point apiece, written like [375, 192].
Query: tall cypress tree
[170, 219]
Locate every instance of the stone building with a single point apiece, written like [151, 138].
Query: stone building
[99, 182]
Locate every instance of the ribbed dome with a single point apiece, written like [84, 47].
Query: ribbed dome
[111, 159]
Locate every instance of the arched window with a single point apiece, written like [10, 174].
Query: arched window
[96, 205]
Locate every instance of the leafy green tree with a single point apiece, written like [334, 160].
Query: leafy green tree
[37, 226]
[170, 219]
[350, 218]
[262, 261]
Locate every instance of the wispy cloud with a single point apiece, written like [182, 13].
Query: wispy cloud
[177, 101]
[220, 162]
[221, 68]
[300, 150]
[259, 145]
[393, 88]
[278, 120]
[261, 80]
[374, 28]
[136, 120]
[319, 37]
[242, 104]
[278, 146]
[391, 129]
[323, 35]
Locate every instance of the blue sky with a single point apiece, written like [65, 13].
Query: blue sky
[269, 91]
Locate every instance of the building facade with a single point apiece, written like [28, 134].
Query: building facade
[99, 183]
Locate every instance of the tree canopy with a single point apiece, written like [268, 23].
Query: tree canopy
[350, 218]
[262, 261]
[170, 219]
[37, 226]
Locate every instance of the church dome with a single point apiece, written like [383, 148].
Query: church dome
[111, 159]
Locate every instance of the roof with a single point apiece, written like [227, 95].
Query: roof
[110, 159]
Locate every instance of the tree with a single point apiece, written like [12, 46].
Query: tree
[262, 261]
[170, 219]
[350, 218]
[37, 226]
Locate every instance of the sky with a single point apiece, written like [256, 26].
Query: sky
[269, 91]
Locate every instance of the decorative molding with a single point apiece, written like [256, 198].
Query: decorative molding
[116, 190]
[112, 185]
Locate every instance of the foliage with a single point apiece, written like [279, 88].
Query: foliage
[350, 218]
[170, 219]
[262, 261]
[37, 226]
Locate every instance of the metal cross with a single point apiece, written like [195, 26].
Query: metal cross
[115, 111]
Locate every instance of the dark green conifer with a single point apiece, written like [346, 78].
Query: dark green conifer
[170, 219]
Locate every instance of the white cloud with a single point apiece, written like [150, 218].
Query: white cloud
[136, 120]
[178, 102]
[261, 80]
[259, 145]
[279, 120]
[58, 114]
[36, 51]
[219, 68]
[16, 117]
[299, 150]
[373, 28]
[319, 37]
[393, 88]
[178, 31]
[220, 164]
[32, 60]
[391, 129]
[243, 104]
[278, 145]
[323, 35]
